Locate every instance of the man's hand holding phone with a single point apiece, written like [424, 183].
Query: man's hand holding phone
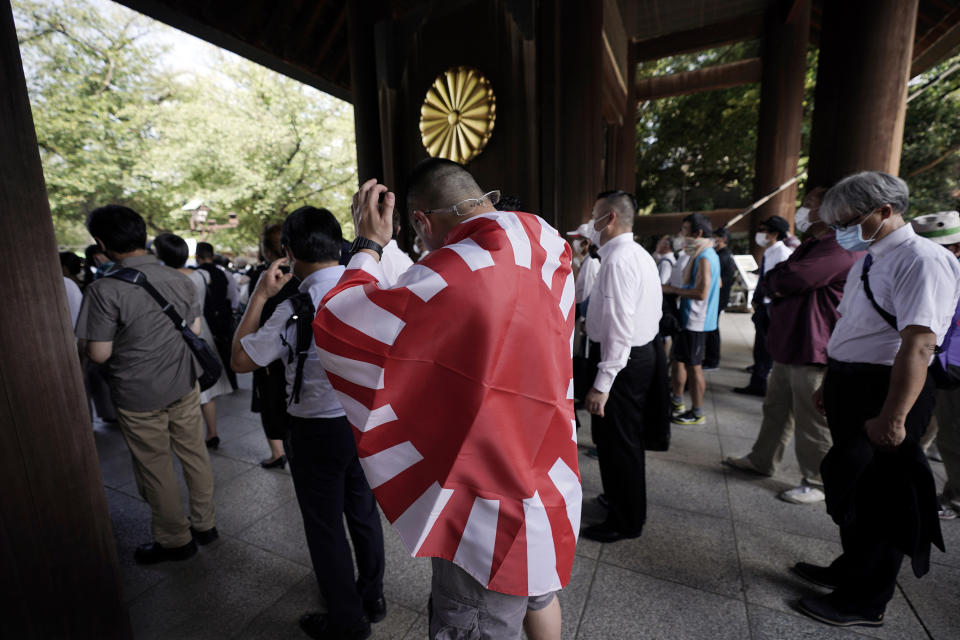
[373, 210]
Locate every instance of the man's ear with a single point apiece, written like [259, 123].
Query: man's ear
[100, 243]
[886, 211]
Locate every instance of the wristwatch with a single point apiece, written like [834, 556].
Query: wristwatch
[365, 243]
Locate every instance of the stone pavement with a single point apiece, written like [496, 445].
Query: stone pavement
[712, 561]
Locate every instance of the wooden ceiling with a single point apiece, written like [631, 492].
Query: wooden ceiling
[307, 39]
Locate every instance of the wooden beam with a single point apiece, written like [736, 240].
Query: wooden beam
[716, 35]
[658, 224]
[720, 76]
[189, 23]
[933, 50]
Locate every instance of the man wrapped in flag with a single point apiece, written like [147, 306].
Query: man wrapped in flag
[458, 383]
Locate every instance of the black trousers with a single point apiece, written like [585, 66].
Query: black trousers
[868, 567]
[330, 484]
[762, 361]
[269, 399]
[619, 439]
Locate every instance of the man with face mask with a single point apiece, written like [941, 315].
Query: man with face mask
[622, 323]
[699, 308]
[897, 306]
[944, 229]
[771, 234]
[806, 289]
[457, 382]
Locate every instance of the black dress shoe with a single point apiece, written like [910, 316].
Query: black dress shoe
[274, 463]
[318, 627]
[824, 610]
[750, 391]
[605, 533]
[152, 553]
[204, 537]
[820, 576]
[376, 610]
[213, 442]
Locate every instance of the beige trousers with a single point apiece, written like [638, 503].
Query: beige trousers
[789, 402]
[948, 443]
[151, 435]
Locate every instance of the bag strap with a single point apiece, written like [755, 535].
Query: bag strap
[136, 277]
[886, 315]
[302, 316]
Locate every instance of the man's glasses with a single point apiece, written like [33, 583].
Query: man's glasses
[852, 223]
[468, 206]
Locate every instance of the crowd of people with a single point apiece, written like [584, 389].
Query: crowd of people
[444, 390]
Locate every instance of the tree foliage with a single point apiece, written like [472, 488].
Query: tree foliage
[114, 125]
[697, 152]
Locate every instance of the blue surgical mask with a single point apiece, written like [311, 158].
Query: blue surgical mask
[852, 238]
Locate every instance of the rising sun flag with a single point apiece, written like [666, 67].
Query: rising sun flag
[458, 384]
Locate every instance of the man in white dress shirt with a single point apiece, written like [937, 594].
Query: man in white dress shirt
[897, 306]
[623, 319]
[771, 234]
[327, 475]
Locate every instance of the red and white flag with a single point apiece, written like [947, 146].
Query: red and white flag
[458, 383]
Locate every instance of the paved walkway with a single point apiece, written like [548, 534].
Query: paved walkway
[712, 561]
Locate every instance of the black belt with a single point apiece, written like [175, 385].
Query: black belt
[633, 350]
[857, 367]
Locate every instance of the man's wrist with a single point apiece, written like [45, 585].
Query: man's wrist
[370, 252]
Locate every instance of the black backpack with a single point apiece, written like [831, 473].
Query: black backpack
[302, 316]
[216, 304]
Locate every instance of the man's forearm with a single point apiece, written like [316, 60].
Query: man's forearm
[249, 323]
[908, 376]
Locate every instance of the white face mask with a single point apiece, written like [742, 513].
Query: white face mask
[761, 239]
[679, 243]
[577, 247]
[802, 219]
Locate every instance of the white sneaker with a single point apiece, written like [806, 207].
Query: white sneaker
[947, 513]
[803, 495]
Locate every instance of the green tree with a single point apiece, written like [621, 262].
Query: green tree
[114, 125]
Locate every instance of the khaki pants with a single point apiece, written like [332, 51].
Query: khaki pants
[948, 443]
[789, 401]
[151, 435]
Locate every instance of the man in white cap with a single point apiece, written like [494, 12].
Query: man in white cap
[944, 229]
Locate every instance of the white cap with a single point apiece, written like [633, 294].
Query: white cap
[582, 231]
[942, 227]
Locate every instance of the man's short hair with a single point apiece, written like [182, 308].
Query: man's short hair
[699, 222]
[722, 233]
[623, 203]
[171, 249]
[436, 182]
[312, 234]
[861, 193]
[71, 262]
[271, 238]
[121, 229]
[204, 251]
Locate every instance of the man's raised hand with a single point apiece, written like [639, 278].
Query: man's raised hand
[371, 218]
[273, 279]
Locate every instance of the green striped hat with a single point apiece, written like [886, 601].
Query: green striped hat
[942, 227]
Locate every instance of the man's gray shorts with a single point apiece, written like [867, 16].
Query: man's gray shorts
[463, 609]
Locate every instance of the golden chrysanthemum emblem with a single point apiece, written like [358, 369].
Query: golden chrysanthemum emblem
[458, 114]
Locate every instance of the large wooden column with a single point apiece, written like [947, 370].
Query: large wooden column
[860, 102]
[361, 17]
[784, 65]
[58, 563]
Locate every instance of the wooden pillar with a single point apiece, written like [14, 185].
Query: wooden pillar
[784, 60]
[580, 146]
[58, 561]
[361, 18]
[627, 144]
[860, 102]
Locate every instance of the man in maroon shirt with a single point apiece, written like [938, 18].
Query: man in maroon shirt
[806, 289]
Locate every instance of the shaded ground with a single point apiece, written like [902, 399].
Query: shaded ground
[712, 562]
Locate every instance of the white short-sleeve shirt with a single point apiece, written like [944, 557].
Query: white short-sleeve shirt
[317, 397]
[913, 278]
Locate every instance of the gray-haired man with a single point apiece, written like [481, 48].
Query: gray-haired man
[897, 306]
